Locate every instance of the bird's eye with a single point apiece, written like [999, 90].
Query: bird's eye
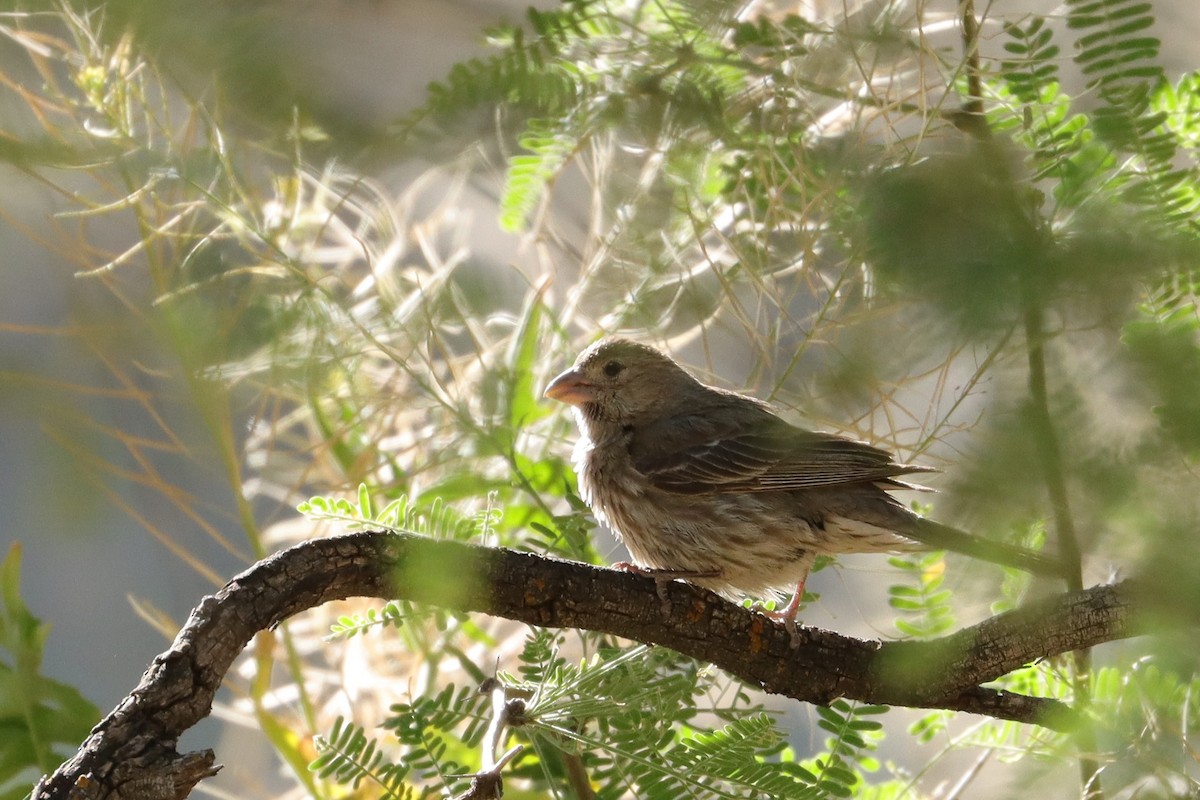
[613, 368]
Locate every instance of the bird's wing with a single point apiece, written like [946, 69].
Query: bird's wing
[753, 450]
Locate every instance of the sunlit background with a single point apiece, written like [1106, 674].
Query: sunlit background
[288, 282]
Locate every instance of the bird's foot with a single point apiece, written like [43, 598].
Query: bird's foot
[787, 614]
[779, 615]
[663, 577]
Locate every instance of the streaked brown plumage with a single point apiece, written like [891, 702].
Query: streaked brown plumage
[712, 485]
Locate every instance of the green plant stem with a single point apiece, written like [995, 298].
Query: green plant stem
[577, 777]
[1049, 451]
[1050, 454]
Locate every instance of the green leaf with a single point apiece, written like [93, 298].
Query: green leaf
[364, 502]
[523, 397]
[40, 718]
[549, 146]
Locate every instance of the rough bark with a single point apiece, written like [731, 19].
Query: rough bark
[131, 752]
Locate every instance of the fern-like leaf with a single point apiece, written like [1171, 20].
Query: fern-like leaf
[348, 756]
[1112, 47]
[1034, 65]
[548, 145]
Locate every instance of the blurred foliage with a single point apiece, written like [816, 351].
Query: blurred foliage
[809, 208]
[42, 721]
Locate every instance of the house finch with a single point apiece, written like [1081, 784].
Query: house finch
[709, 485]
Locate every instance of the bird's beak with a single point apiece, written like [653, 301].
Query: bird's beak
[571, 388]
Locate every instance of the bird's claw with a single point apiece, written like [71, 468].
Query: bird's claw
[780, 615]
[663, 577]
[787, 614]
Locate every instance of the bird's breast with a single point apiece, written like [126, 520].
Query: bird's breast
[743, 536]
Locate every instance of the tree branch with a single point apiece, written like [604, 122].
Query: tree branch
[131, 752]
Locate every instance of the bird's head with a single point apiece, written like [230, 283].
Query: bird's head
[622, 382]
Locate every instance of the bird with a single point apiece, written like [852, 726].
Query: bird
[712, 486]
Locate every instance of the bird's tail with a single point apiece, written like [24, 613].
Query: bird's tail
[942, 537]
